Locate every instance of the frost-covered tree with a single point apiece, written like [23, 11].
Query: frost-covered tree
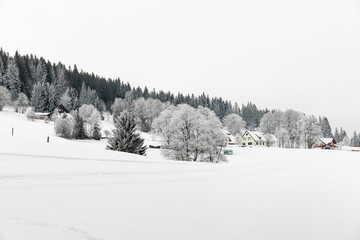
[43, 97]
[51, 97]
[343, 134]
[60, 82]
[91, 116]
[65, 100]
[79, 129]
[12, 79]
[5, 97]
[311, 131]
[38, 99]
[234, 124]
[21, 103]
[346, 141]
[64, 126]
[2, 71]
[118, 107]
[272, 123]
[124, 137]
[292, 124]
[40, 73]
[129, 100]
[145, 111]
[193, 135]
[325, 127]
[337, 135]
[354, 140]
[161, 125]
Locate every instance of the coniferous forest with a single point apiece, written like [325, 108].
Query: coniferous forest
[33, 70]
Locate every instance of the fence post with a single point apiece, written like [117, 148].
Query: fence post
[48, 139]
[12, 131]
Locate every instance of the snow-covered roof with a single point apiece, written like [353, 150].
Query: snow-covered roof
[227, 134]
[271, 137]
[327, 140]
[257, 136]
[41, 114]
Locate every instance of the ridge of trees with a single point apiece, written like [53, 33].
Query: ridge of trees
[47, 85]
[34, 71]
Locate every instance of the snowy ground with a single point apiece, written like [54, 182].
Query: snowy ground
[77, 190]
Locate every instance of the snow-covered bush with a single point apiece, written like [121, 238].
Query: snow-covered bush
[64, 126]
[124, 137]
[5, 97]
[30, 114]
[21, 103]
[192, 135]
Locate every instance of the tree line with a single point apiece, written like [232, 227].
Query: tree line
[44, 85]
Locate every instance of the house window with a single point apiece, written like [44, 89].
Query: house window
[249, 143]
[257, 143]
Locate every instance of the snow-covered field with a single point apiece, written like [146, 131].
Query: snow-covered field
[69, 189]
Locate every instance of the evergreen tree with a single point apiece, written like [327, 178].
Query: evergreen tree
[79, 129]
[12, 79]
[83, 97]
[40, 73]
[96, 132]
[337, 136]
[354, 139]
[343, 134]
[125, 138]
[2, 71]
[325, 128]
[59, 82]
[38, 99]
[5, 97]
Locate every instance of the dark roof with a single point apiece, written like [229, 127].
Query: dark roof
[62, 109]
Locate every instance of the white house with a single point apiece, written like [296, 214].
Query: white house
[251, 138]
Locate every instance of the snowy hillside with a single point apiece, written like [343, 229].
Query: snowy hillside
[68, 189]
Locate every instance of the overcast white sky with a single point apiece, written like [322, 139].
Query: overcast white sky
[279, 54]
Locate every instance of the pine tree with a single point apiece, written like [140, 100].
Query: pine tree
[12, 79]
[325, 128]
[337, 135]
[125, 138]
[79, 129]
[84, 96]
[40, 73]
[354, 139]
[96, 132]
[59, 82]
[343, 134]
[5, 97]
[2, 71]
[38, 99]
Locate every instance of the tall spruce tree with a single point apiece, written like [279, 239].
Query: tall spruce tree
[12, 79]
[325, 128]
[2, 71]
[125, 138]
[79, 129]
[96, 132]
[337, 135]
